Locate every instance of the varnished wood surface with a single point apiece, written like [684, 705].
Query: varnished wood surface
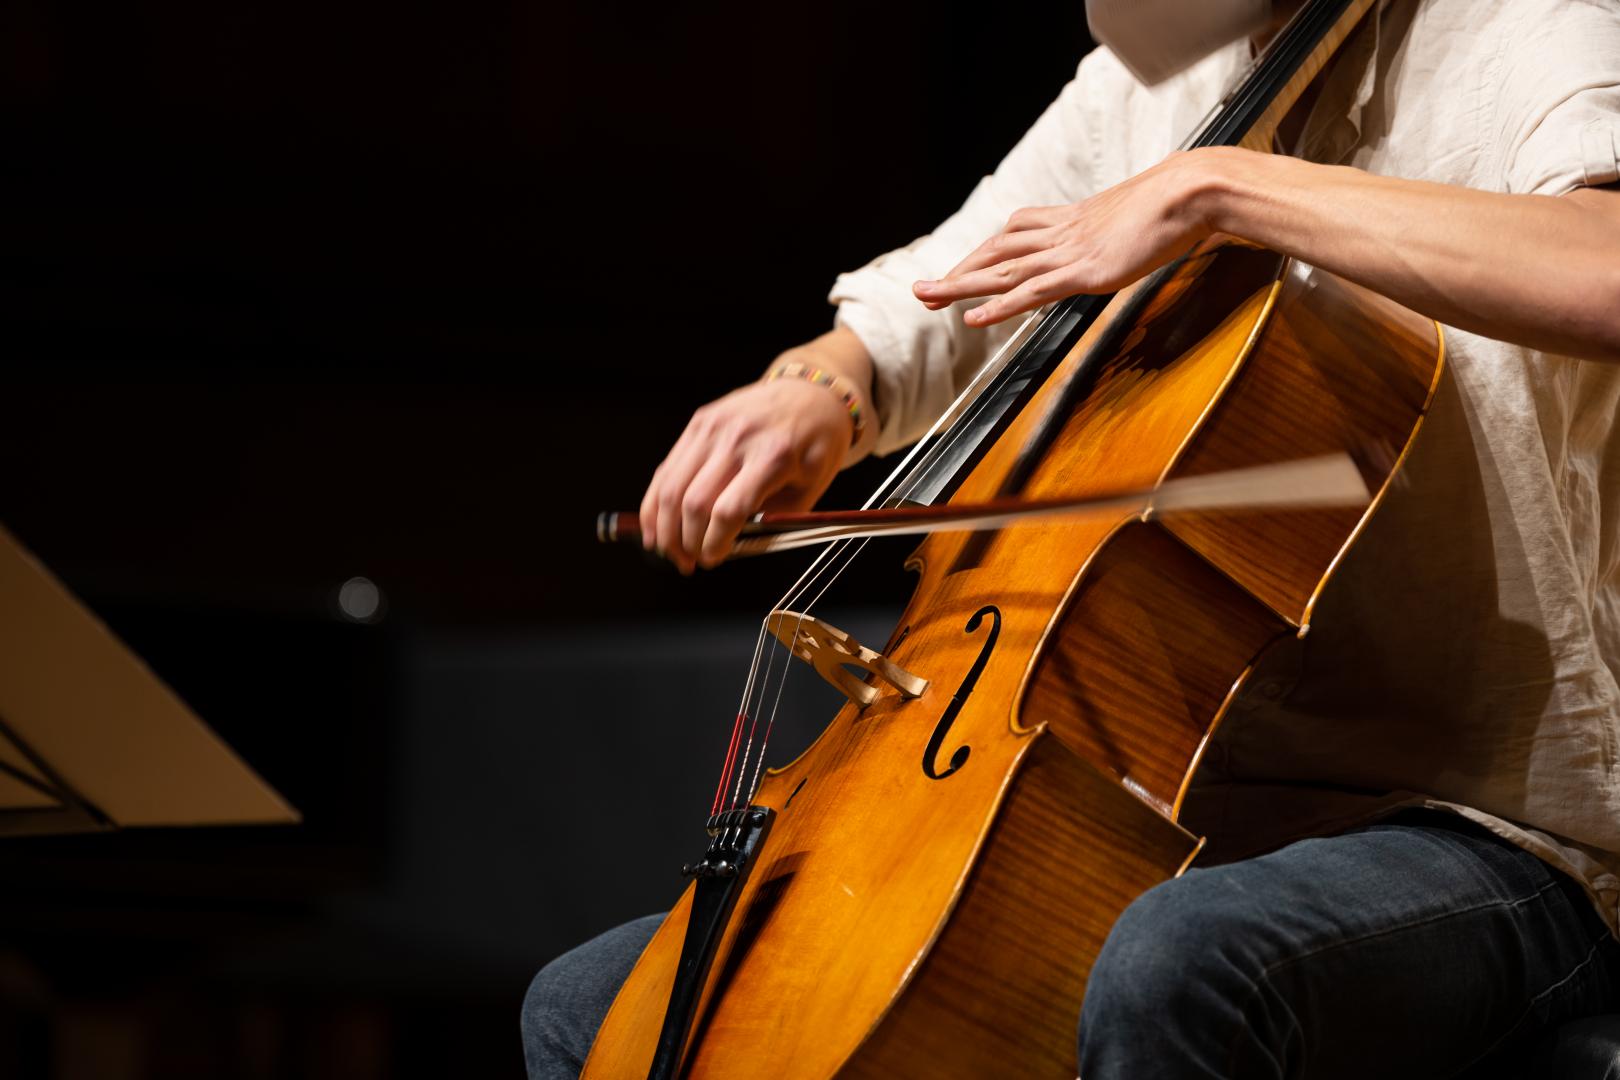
[1071, 849]
[865, 862]
[1143, 657]
[1121, 636]
[897, 924]
[1338, 367]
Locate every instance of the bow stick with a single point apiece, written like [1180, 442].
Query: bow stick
[1331, 480]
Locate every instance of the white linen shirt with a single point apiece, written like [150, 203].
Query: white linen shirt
[1465, 655]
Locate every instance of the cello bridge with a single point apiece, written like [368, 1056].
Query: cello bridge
[832, 652]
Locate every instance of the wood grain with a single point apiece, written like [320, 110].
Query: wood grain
[899, 924]
[1142, 658]
[999, 994]
[883, 895]
[1336, 367]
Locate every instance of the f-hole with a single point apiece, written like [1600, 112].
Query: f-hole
[958, 699]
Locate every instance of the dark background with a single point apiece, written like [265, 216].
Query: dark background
[293, 292]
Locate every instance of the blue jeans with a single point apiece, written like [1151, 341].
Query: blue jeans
[1421, 947]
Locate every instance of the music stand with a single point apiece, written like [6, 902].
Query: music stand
[90, 738]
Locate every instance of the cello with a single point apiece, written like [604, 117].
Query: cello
[923, 891]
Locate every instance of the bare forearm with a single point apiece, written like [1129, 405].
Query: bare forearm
[1530, 269]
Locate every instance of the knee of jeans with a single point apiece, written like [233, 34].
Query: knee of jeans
[1587, 1049]
[544, 1012]
[1173, 944]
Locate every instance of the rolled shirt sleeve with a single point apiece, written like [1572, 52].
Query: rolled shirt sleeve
[922, 358]
[1102, 128]
[1559, 102]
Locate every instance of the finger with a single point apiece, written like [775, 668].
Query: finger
[1004, 246]
[706, 486]
[650, 500]
[997, 279]
[679, 468]
[938, 293]
[997, 251]
[1026, 297]
[763, 475]
[648, 511]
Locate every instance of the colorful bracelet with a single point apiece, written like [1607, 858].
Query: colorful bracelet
[839, 385]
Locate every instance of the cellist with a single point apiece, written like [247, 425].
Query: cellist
[1414, 816]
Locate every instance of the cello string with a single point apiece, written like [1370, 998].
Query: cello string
[836, 558]
[956, 421]
[905, 477]
[747, 708]
[770, 722]
[832, 562]
[768, 641]
[901, 482]
[971, 399]
[833, 553]
[753, 783]
[1037, 325]
[737, 724]
[753, 712]
[982, 380]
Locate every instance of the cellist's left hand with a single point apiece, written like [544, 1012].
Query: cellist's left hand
[1097, 245]
[1533, 270]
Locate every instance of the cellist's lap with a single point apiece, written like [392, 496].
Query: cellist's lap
[569, 997]
[1421, 947]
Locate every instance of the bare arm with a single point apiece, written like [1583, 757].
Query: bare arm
[1529, 269]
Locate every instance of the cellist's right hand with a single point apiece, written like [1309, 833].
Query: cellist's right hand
[766, 446]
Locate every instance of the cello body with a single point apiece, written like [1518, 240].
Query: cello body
[938, 871]
[943, 868]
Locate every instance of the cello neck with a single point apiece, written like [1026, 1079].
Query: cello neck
[1252, 112]
[1247, 117]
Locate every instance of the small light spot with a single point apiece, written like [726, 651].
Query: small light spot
[360, 600]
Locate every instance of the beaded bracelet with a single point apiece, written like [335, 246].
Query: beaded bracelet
[839, 385]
